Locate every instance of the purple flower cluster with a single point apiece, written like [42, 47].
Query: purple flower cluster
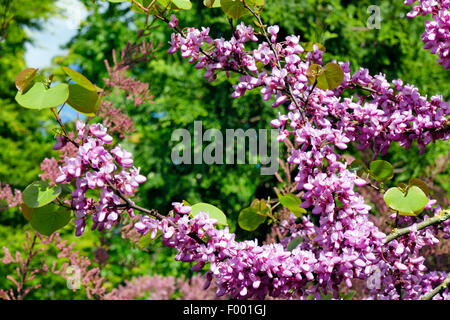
[96, 167]
[437, 32]
[11, 198]
[403, 266]
[346, 245]
[241, 269]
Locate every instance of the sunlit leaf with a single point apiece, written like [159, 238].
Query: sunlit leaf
[212, 3]
[39, 194]
[79, 79]
[39, 97]
[412, 203]
[182, 4]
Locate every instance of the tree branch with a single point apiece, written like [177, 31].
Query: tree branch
[437, 290]
[269, 42]
[439, 218]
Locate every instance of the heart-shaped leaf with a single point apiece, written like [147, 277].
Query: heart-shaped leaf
[83, 100]
[331, 77]
[212, 211]
[292, 202]
[381, 170]
[24, 79]
[412, 203]
[49, 218]
[182, 4]
[39, 194]
[79, 79]
[235, 8]
[39, 97]
[249, 219]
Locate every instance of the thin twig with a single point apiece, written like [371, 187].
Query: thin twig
[438, 289]
[439, 218]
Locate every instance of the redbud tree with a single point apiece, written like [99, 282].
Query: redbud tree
[328, 241]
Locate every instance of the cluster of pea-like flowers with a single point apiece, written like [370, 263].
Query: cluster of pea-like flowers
[403, 266]
[110, 172]
[241, 269]
[346, 244]
[437, 31]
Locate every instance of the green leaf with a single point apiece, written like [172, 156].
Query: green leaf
[24, 79]
[212, 211]
[412, 203]
[261, 207]
[313, 72]
[358, 166]
[39, 97]
[249, 219]
[212, 3]
[292, 202]
[294, 243]
[182, 4]
[234, 8]
[146, 3]
[381, 170]
[49, 218]
[39, 194]
[331, 77]
[83, 100]
[79, 79]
